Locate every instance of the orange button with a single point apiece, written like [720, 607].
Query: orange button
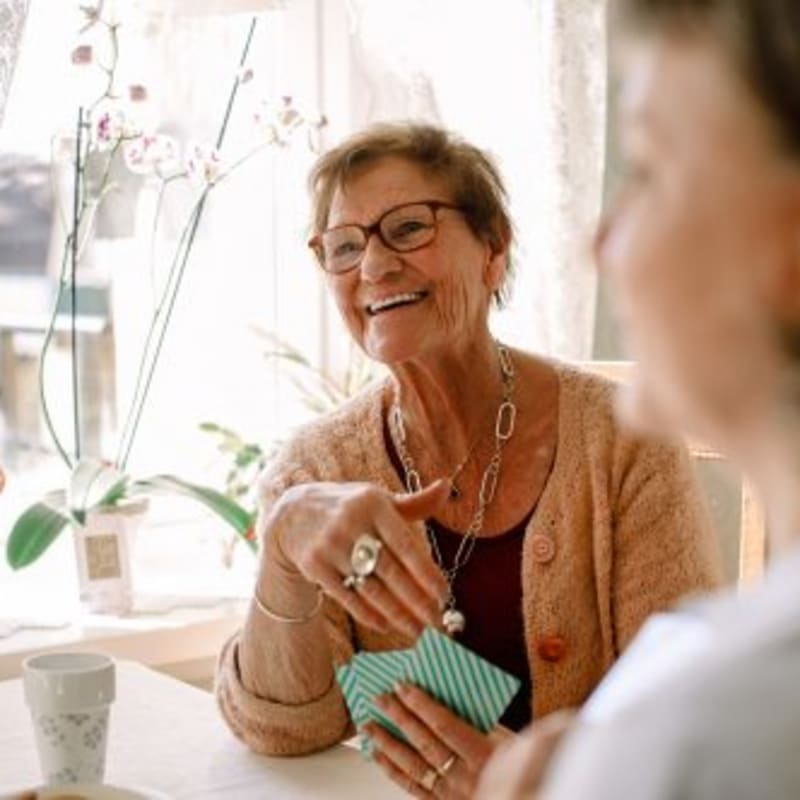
[544, 548]
[552, 648]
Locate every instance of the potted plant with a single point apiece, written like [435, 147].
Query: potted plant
[101, 501]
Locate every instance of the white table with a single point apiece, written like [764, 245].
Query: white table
[169, 736]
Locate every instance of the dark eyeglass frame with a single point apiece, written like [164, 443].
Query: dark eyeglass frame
[315, 243]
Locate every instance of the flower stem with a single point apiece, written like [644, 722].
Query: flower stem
[43, 356]
[76, 218]
[173, 286]
[126, 436]
[178, 269]
[237, 80]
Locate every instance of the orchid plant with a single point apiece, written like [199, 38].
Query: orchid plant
[107, 132]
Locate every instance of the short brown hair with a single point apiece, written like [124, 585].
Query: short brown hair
[762, 37]
[473, 178]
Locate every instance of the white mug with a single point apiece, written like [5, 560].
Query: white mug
[69, 695]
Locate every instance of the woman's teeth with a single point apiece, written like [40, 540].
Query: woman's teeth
[394, 300]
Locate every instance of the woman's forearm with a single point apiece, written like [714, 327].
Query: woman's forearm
[285, 662]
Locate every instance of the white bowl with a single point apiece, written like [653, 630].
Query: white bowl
[88, 791]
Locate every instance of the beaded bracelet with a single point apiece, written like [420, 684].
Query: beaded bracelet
[270, 614]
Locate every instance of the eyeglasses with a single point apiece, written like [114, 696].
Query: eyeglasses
[404, 228]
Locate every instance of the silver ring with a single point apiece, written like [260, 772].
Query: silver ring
[353, 581]
[448, 764]
[364, 555]
[429, 780]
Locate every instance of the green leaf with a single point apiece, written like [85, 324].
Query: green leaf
[115, 492]
[246, 457]
[94, 483]
[229, 510]
[210, 427]
[36, 529]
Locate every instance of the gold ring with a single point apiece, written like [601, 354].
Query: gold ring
[429, 780]
[448, 764]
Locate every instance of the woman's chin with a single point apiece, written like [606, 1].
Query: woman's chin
[393, 349]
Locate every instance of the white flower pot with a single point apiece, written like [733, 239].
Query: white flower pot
[103, 548]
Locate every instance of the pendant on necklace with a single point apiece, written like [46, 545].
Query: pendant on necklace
[455, 492]
[454, 621]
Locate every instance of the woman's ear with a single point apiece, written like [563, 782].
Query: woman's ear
[784, 286]
[778, 279]
[497, 260]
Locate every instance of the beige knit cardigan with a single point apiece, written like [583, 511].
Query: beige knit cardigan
[619, 532]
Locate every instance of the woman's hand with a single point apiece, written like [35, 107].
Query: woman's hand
[313, 529]
[444, 755]
[517, 769]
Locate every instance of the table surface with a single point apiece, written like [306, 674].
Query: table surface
[169, 736]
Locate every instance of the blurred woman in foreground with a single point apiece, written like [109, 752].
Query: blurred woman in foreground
[704, 249]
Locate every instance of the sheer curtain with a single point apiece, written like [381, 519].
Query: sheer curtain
[526, 79]
[12, 21]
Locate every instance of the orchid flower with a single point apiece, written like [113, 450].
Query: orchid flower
[150, 154]
[203, 164]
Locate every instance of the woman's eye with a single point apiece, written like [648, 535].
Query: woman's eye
[407, 228]
[345, 248]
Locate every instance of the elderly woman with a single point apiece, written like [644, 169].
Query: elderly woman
[704, 250]
[547, 538]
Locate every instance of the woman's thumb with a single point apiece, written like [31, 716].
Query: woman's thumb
[422, 504]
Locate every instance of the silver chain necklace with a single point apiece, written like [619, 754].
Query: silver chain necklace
[454, 620]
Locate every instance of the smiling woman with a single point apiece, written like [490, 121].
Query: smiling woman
[478, 488]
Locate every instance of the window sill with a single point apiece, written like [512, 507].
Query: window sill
[180, 636]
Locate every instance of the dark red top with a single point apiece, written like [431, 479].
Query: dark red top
[488, 591]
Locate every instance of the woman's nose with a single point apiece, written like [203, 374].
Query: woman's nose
[378, 260]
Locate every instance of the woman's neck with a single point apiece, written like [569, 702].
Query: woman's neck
[450, 400]
[771, 457]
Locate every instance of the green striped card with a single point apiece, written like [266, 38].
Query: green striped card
[467, 684]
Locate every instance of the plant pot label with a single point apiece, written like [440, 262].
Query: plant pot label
[102, 556]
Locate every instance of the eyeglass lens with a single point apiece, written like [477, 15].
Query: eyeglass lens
[401, 229]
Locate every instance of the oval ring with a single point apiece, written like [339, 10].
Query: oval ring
[364, 555]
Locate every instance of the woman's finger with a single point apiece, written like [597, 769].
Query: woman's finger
[331, 583]
[424, 504]
[412, 552]
[456, 735]
[405, 587]
[404, 781]
[402, 615]
[420, 737]
[410, 770]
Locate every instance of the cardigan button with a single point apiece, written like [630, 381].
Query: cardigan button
[544, 548]
[552, 648]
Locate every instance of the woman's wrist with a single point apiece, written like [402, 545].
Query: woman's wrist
[285, 619]
[280, 586]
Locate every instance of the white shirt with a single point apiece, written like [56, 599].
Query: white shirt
[723, 725]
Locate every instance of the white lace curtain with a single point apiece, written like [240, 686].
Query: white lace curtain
[525, 79]
[12, 21]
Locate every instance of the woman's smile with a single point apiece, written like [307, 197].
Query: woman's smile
[395, 301]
